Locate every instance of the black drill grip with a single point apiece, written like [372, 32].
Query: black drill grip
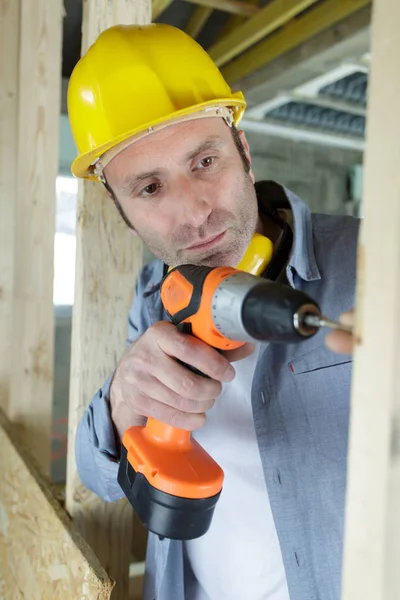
[269, 313]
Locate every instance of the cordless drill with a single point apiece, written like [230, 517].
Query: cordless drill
[170, 480]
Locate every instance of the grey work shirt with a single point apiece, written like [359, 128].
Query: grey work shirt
[300, 401]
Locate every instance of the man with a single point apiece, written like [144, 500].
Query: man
[155, 122]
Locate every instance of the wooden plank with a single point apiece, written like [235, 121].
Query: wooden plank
[105, 280]
[38, 123]
[233, 22]
[310, 59]
[9, 45]
[234, 7]
[372, 535]
[40, 554]
[270, 17]
[198, 19]
[299, 30]
[158, 7]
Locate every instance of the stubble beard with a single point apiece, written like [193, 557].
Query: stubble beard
[240, 226]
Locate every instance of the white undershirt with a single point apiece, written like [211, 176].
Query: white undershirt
[239, 558]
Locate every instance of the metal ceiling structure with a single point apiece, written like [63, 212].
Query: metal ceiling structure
[247, 38]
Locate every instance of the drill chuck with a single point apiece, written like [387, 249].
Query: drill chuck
[245, 308]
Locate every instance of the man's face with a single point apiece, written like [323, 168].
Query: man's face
[186, 193]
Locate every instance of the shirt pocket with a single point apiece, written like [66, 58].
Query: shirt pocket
[322, 380]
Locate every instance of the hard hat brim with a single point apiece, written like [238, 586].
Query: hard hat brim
[81, 167]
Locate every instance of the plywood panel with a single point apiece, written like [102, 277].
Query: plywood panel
[108, 261]
[372, 536]
[40, 555]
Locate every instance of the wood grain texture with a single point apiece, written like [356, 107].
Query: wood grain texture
[372, 535]
[108, 260]
[9, 42]
[38, 123]
[40, 555]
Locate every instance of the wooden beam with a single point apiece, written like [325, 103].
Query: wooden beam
[38, 123]
[299, 30]
[198, 19]
[233, 22]
[372, 533]
[312, 58]
[105, 281]
[234, 7]
[40, 554]
[158, 7]
[9, 54]
[270, 17]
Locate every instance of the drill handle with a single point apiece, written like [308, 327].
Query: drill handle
[187, 329]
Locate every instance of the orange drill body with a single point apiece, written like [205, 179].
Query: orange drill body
[171, 481]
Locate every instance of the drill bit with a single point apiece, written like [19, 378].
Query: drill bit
[321, 321]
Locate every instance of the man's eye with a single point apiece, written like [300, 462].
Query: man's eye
[207, 162]
[149, 190]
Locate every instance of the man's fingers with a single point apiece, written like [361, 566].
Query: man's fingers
[151, 387]
[183, 382]
[196, 353]
[171, 416]
[239, 353]
[340, 342]
[347, 318]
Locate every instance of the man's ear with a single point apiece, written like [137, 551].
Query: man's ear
[247, 151]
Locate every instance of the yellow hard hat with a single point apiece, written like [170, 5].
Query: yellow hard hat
[137, 79]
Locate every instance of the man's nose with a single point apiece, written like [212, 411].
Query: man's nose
[194, 205]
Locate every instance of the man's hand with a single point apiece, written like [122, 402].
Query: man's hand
[150, 382]
[340, 341]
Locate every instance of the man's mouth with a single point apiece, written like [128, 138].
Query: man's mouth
[210, 243]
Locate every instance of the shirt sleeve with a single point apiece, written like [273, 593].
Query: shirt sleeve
[97, 446]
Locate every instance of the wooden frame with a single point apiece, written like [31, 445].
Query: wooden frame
[158, 7]
[372, 534]
[294, 33]
[9, 68]
[108, 260]
[40, 554]
[269, 18]
[234, 7]
[198, 19]
[39, 73]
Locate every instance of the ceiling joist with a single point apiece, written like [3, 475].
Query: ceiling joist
[269, 18]
[197, 20]
[232, 23]
[158, 7]
[234, 7]
[294, 33]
